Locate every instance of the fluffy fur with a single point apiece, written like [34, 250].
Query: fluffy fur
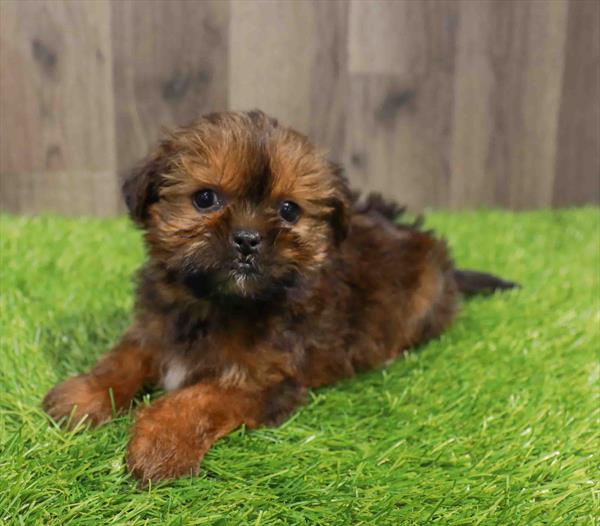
[237, 337]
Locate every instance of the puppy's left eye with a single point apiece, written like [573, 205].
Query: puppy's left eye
[206, 199]
[289, 211]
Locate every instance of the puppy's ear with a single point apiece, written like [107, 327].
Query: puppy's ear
[339, 220]
[340, 204]
[141, 187]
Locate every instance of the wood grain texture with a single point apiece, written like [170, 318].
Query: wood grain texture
[272, 48]
[577, 179]
[436, 103]
[170, 66]
[390, 36]
[56, 107]
[289, 59]
[399, 123]
[473, 182]
[329, 88]
[507, 96]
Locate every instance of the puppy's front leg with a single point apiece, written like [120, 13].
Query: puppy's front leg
[115, 379]
[171, 436]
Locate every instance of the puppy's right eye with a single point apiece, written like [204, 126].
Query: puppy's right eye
[205, 199]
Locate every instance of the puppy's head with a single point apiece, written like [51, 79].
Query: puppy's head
[236, 205]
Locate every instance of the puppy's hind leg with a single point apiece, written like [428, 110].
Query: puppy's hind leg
[109, 386]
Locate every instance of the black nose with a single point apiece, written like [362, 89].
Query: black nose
[247, 241]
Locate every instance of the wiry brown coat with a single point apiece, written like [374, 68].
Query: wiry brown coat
[341, 290]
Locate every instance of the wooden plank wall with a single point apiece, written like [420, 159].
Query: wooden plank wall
[438, 103]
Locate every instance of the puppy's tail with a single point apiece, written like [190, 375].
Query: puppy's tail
[471, 282]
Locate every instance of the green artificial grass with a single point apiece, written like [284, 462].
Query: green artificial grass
[494, 423]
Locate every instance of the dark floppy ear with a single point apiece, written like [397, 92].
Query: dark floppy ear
[339, 220]
[340, 204]
[141, 187]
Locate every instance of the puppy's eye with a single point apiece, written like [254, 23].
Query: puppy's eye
[289, 211]
[205, 199]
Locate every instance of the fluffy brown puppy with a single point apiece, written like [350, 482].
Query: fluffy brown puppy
[265, 277]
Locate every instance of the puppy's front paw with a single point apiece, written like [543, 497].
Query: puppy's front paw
[77, 399]
[161, 447]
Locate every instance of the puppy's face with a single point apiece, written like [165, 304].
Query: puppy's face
[236, 205]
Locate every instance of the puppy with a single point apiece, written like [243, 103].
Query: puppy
[265, 277]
